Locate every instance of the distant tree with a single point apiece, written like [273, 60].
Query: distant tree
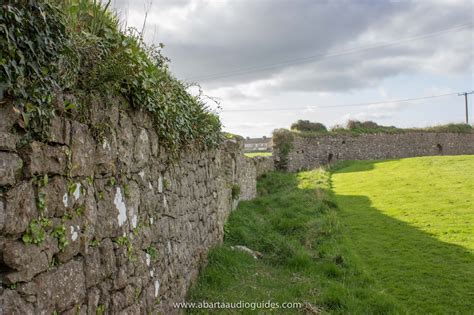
[306, 125]
[355, 124]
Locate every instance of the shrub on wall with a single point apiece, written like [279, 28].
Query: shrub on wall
[235, 192]
[306, 125]
[355, 124]
[283, 143]
[76, 46]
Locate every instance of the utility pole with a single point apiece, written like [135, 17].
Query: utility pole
[465, 100]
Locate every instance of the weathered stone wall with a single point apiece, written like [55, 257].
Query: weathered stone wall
[263, 164]
[118, 229]
[312, 152]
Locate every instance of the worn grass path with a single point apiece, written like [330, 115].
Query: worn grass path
[411, 224]
[295, 224]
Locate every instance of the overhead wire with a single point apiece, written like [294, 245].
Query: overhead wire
[342, 105]
[326, 55]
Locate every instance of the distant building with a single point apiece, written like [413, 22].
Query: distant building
[263, 144]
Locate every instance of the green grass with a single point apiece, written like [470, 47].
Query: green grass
[375, 237]
[295, 225]
[411, 224]
[253, 154]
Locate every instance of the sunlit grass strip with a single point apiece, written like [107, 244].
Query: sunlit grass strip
[411, 223]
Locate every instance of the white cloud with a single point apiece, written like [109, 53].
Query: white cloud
[363, 116]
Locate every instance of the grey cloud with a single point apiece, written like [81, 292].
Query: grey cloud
[225, 36]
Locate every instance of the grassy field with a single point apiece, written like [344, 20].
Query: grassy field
[411, 223]
[294, 224]
[389, 237]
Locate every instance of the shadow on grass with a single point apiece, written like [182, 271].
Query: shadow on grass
[423, 273]
[329, 255]
[360, 166]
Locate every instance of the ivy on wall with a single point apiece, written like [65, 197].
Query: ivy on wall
[77, 46]
[33, 44]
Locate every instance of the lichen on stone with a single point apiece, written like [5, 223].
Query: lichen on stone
[121, 207]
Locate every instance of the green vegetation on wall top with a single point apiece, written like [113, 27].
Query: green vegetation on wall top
[306, 125]
[76, 47]
[283, 142]
[306, 128]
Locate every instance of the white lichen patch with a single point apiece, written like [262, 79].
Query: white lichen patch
[142, 174]
[160, 184]
[74, 234]
[169, 247]
[77, 191]
[157, 287]
[165, 202]
[147, 259]
[65, 200]
[120, 205]
[152, 272]
[150, 186]
[105, 145]
[151, 220]
[134, 221]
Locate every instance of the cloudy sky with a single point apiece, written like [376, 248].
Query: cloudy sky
[272, 62]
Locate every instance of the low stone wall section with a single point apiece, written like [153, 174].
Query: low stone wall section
[311, 152]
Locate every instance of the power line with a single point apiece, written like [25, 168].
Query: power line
[344, 105]
[326, 55]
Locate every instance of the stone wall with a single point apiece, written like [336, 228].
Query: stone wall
[118, 229]
[263, 164]
[315, 151]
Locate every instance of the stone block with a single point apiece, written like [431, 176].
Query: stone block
[10, 168]
[56, 196]
[93, 296]
[154, 143]
[133, 309]
[19, 208]
[82, 150]
[107, 258]
[61, 288]
[118, 302]
[106, 154]
[8, 141]
[92, 267]
[73, 235]
[142, 150]
[60, 130]
[125, 141]
[132, 201]
[111, 210]
[10, 116]
[27, 259]
[100, 263]
[12, 303]
[41, 158]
